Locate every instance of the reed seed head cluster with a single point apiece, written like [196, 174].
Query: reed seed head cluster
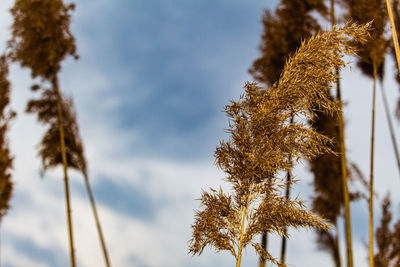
[262, 140]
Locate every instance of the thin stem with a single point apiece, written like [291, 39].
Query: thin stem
[64, 160]
[264, 244]
[394, 33]
[264, 238]
[283, 247]
[337, 248]
[345, 189]
[96, 217]
[287, 195]
[241, 238]
[391, 129]
[371, 182]
[0, 242]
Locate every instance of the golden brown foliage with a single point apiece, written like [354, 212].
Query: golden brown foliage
[40, 40]
[40, 35]
[282, 35]
[373, 52]
[388, 241]
[283, 32]
[49, 149]
[262, 140]
[6, 160]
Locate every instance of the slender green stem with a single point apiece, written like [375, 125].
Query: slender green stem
[65, 166]
[96, 217]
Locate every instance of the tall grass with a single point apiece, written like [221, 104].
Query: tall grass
[40, 40]
[49, 149]
[282, 35]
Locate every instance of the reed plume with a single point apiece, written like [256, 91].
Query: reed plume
[283, 32]
[6, 160]
[387, 239]
[262, 140]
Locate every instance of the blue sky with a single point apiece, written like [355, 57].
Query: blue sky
[149, 89]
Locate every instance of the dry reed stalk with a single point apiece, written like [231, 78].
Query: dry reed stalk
[343, 161]
[65, 166]
[371, 181]
[371, 62]
[50, 152]
[394, 33]
[40, 40]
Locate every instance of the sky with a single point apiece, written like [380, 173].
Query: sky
[149, 89]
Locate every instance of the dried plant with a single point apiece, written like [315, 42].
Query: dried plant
[325, 238]
[384, 236]
[262, 140]
[396, 15]
[387, 240]
[40, 40]
[395, 255]
[371, 62]
[328, 199]
[6, 160]
[49, 149]
[283, 33]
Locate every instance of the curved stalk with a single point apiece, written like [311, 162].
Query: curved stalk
[64, 160]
